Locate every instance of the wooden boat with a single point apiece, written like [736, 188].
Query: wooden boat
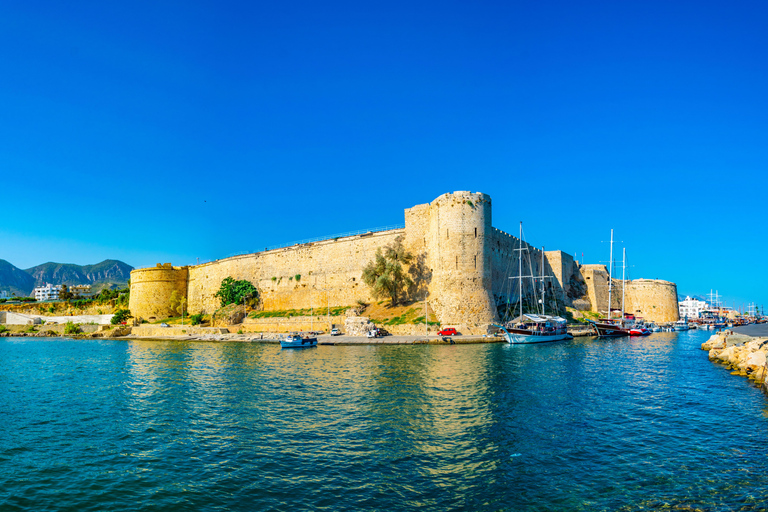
[609, 328]
[533, 327]
[530, 328]
[298, 341]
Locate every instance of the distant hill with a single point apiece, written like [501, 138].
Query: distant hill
[108, 273]
[14, 280]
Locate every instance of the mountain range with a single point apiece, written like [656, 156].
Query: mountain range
[101, 275]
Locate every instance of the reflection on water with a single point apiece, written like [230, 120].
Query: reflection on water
[627, 424]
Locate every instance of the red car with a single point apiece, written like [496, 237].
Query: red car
[448, 331]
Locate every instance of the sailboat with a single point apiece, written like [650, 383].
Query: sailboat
[533, 328]
[609, 327]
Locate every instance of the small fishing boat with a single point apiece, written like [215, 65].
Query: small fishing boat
[298, 341]
[681, 325]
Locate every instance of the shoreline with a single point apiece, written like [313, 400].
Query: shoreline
[744, 354]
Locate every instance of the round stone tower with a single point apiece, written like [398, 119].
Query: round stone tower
[151, 290]
[653, 299]
[459, 258]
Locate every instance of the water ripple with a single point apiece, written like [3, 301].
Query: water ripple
[586, 425]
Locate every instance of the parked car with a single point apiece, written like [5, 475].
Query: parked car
[448, 331]
[372, 333]
[164, 325]
[335, 331]
[383, 332]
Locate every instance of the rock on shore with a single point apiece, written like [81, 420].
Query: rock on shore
[743, 354]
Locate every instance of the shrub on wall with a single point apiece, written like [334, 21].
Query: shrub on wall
[234, 291]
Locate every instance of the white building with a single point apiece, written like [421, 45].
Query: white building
[692, 308]
[80, 290]
[47, 292]
[4, 294]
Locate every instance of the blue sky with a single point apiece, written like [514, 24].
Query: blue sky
[171, 131]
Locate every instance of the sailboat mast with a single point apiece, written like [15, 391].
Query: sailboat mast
[520, 268]
[623, 282]
[543, 288]
[610, 284]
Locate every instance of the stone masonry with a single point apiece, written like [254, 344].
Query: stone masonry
[462, 266]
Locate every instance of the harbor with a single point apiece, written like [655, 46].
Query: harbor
[587, 424]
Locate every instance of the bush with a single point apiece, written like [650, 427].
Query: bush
[233, 292]
[72, 328]
[121, 315]
[196, 319]
[3, 328]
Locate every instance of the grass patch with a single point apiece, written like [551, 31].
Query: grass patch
[420, 320]
[287, 313]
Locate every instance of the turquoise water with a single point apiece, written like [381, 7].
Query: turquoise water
[629, 424]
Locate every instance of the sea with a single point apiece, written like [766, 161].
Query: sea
[585, 425]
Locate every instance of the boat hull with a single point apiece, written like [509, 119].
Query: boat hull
[522, 339]
[609, 330]
[298, 343]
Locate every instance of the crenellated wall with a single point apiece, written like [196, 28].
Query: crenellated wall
[463, 266]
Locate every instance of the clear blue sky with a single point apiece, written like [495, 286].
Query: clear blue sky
[160, 131]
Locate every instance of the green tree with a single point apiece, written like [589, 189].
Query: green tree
[121, 315]
[385, 276]
[232, 291]
[178, 303]
[64, 293]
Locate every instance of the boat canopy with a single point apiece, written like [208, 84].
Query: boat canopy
[539, 319]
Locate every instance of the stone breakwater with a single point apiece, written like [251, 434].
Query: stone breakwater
[745, 355]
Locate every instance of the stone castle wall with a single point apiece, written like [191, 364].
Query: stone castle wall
[451, 234]
[151, 290]
[652, 299]
[462, 265]
[309, 275]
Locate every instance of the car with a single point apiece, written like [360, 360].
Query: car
[335, 331]
[448, 331]
[384, 332]
[372, 333]
[164, 325]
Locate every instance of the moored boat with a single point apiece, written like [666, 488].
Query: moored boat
[680, 325]
[530, 328]
[298, 341]
[609, 328]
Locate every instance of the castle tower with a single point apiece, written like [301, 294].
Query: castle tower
[151, 290]
[459, 225]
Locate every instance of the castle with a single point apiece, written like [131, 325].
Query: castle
[462, 266]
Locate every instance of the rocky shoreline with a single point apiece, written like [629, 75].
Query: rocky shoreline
[744, 355]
